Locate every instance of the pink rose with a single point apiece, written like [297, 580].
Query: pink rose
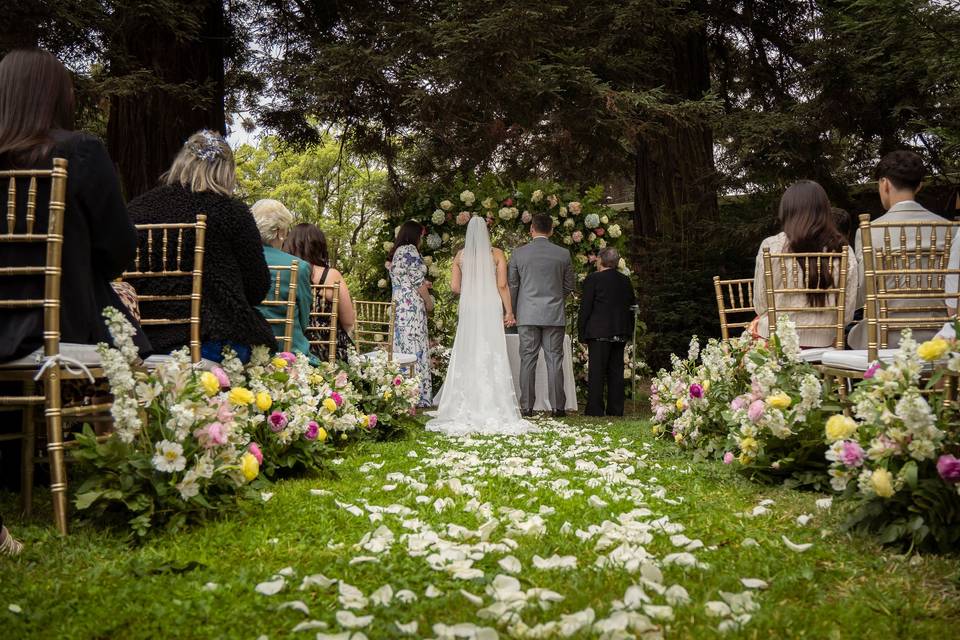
[755, 412]
[221, 377]
[289, 357]
[599, 231]
[312, 430]
[508, 202]
[871, 371]
[336, 397]
[852, 454]
[728, 457]
[278, 420]
[398, 381]
[372, 420]
[254, 450]
[948, 466]
[463, 217]
[574, 208]
[527, 217]
[577, 236]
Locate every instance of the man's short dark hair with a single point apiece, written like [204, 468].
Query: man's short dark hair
[542, 223]
[609, 257]
[904, 169]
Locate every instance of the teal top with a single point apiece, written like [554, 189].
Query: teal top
[277, 258]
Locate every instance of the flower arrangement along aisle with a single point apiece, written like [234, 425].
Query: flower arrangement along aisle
[691, 401]
[387, 398]
[177, 454]
[897, 455]
[776, 424]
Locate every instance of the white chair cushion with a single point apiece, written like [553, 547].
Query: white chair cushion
[156, 360]
[404, 358]
[85, 353]
[814, 354]
[854, 360]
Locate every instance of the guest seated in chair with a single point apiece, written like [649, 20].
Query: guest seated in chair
[605, 324]
[899, 178]
[273, 222]
[36, 122]
[202, 179]
[309, 243]
[809, 226]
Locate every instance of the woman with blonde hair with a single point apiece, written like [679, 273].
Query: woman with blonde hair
[202, 180]
[274, 221]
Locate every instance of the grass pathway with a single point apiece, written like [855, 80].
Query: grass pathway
[582, 530]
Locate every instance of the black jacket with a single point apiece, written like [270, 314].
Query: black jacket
[98, 243]
[235, 274]
[605, 306]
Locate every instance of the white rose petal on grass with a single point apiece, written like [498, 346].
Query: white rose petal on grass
[753, 583]
[596, 502]
[14, 608]
[296, 605]
[749, 542]
[793, 546]
[211, 586]
[473, 598]
[348, 620]
[824, 503]
[317, 580]
[717, 609]
[351, 597]
[759, 511]
[571, 623]
[406, 596]
[287, 572]
[382, 596]
[510, 564]
[362, 559]
[271, 587]
[555, 562]
[802, 520]
[310, 625]
[680, 559]
[676, 595]
[432, 592]
[320, 492]
[343, 635]
[266, 495]
[658, 612]
[407, 628]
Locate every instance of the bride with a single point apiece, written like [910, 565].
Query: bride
[478, 394]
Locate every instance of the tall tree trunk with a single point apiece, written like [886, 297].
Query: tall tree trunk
[181, 92]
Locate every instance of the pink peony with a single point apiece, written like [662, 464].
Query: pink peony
[696, 391]
[948, 466]
[527, 217]
[738, 403]
[221, 377]
[871, 371]
[312, 430]
[508, 202]
[289, 357]
[853, 454]
[755, 412]
[398, 381]
[599, 231]
[336, 397]
[463, 217]
[577, 236]
[254, 450]
[341, 379]
[728, 457]
[372, 420]
[278, 420]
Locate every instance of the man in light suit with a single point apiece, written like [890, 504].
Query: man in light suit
[541, 277]
[899, 176]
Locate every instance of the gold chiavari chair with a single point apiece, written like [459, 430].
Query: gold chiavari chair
[374, 327]
[906, 287]
[51, 365]
[285, 299]
[734, 298]
[787, 277]
[324, 318]
[164, 258]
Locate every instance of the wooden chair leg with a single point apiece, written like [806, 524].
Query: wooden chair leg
[58, 471]
[28, 450]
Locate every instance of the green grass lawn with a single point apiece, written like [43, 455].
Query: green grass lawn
[201, 583]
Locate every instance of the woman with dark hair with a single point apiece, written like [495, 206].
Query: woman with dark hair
[99, 241]
[411, 294]
[309, 243]
[809, 226]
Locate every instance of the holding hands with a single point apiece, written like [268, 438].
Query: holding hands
[509, 320]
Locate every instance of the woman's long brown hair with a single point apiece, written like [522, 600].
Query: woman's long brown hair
[308, 242]
[36, 97]
[809, 225]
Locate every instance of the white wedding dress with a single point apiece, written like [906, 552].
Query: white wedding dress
[478, 395]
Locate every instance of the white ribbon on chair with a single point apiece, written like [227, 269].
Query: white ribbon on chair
[67, 363]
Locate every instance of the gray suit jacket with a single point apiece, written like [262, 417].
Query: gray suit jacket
[541, 276]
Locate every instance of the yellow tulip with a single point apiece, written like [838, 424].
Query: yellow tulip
[679, 404]
[933, 349]
[329, 405]
[779, 401]
[322, 435]
[264, 401]
[210, 384]
[840, 427]
[882, 482]
[240, 396]
[249, 466]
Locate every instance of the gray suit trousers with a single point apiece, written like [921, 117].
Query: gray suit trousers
[532, 338]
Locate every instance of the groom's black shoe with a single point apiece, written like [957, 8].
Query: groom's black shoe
[527, 413]
[559, 413]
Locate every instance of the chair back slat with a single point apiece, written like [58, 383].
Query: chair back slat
[285, 299]
[324, 316]
[796, 279]
[168, 265]
[906, 286]
[374, 326]
[734, 297]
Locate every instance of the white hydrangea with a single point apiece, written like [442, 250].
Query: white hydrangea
[591, 221]
[467, 197]
[615, 231]
[438, 216]
[433, 241]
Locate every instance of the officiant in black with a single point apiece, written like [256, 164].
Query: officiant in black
[605, 324]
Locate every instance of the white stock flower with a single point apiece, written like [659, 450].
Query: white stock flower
[789, 340]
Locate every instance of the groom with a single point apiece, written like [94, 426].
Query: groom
[541, 276]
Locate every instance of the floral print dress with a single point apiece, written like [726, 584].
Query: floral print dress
[407, 273]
